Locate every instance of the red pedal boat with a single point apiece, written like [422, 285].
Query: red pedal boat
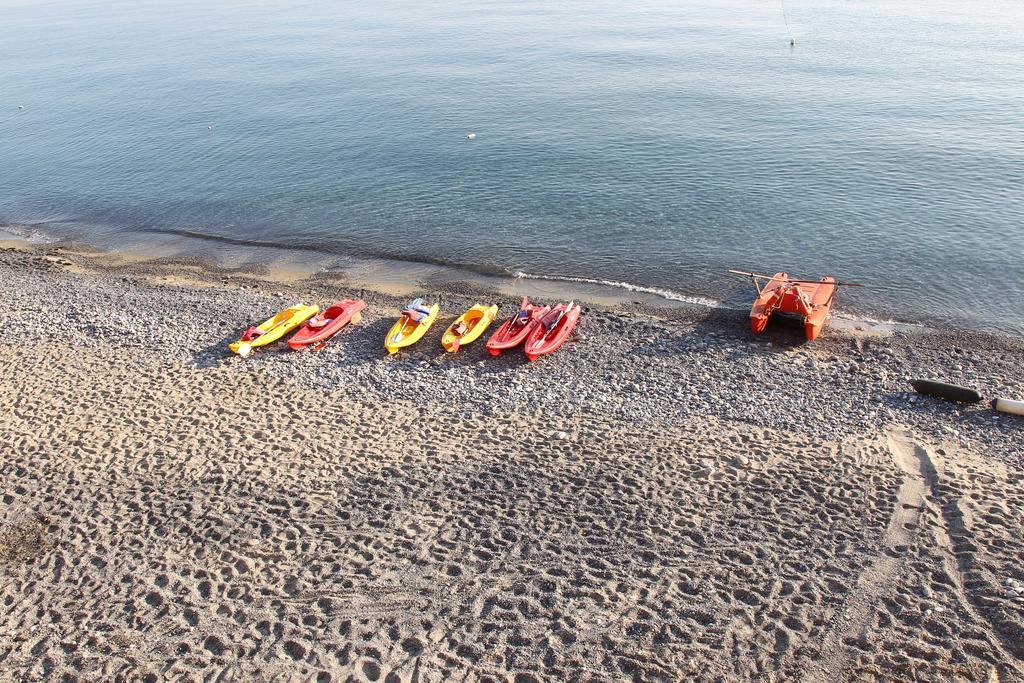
[516, 329]
[315, 332]
[810, 300]
[552, 330]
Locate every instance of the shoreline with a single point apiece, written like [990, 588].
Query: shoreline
[662, 490]
[407, 276]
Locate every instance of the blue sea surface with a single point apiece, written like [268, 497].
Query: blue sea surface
[654, 143]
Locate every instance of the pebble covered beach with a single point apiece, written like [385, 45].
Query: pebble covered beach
[667, 497]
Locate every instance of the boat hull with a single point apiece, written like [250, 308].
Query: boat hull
[512, 333]
[543, 339]
[406, 332]
[477, 319]
[275, 327]
[812, 302]
[337, 315]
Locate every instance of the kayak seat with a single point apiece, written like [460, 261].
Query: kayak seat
[251, 333]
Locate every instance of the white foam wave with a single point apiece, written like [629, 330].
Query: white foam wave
[862, 318]
[628, 286]
[28, 234]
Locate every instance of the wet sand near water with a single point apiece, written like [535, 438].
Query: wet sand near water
[663, 499]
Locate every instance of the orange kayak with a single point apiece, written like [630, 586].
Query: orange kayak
[812, 301]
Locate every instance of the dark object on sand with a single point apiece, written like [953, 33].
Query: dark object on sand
[948, 392]
[1006, 405]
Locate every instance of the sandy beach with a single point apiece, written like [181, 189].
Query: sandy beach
[665, 498]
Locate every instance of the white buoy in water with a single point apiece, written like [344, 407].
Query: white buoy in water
[209, 127]
[471, 136]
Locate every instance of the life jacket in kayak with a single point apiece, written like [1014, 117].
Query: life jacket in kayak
[416, 311]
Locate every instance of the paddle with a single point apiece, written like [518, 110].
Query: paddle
[398, 335]
[798, 282]
[554, 323]
[564, 312]
[405, 319]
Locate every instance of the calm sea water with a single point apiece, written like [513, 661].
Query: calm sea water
[655, 143]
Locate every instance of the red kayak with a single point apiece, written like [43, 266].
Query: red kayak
[315, 332]
[516, 329]
[552, 330]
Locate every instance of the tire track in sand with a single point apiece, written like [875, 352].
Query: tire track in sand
[903, 446]
[958, 559]
[854, 620]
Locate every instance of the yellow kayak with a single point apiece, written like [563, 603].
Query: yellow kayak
[468, 326]
[273, 329]
[415, 321]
